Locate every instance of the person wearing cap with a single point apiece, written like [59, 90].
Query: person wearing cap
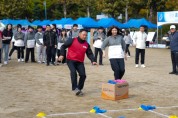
[50, 42]
[173, 37]
[77, 48]
[139, 40]
[40, 48]
[74, 32]
[99, 37]
[30, 44]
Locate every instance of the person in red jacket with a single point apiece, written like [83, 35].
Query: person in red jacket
[77, 47]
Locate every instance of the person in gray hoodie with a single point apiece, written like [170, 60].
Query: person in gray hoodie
[128, 41]
[116, 51]
[99, 37]
[74, 32]
[19, 43]
[62, 39]
[41, 50]
[30, 44]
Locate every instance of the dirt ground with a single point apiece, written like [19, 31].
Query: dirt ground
[27, 89]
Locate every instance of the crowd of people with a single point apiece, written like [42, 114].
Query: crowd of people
[51, 43]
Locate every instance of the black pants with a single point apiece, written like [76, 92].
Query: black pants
[147, 44]
[138, 51]
[98, 50]
[174, 58]
[118, 66]
[50, 53]
[20, 52]
[54, 55]
[12, 50]
[127, 49]
[58, 54]
[74, 67]
[28, 51]
[0, 55]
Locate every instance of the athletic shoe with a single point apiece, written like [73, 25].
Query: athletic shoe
[79, 93]
[143, 66]
[9, 58]
[22, 60]
[128, 56]
[39, 62]
[5, 62]
[136, 66]
[172, 72]
[18, 60]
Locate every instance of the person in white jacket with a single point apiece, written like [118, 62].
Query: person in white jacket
[139, 41]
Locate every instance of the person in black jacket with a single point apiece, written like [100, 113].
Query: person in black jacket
[50, 42]
[6, 39]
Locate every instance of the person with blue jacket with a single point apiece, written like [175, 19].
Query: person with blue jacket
[173, 37]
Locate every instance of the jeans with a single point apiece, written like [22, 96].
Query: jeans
[118, 66]
[5, 50]
[75, 67]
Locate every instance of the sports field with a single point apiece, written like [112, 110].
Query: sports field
[27, 89]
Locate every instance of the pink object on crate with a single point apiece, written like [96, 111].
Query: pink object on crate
[120, 81]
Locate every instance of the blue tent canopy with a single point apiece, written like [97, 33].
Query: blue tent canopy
[86, 22]
[36, 22]
[15, 22]
[136, 23]
[108, 22]
[64, 21]
[44, 22]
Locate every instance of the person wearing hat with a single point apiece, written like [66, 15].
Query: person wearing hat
[30, 44]
[173, 37]
[74, 32]
[41, 50]
[77, 48]
[99, 37]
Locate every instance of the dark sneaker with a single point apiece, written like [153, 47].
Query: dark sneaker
[53, 64]
[47, 64]
[79, 93]
[172, 72]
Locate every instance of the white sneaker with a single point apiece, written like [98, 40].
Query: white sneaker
[39, 62]
[128, 56]
[22, 60]
[143, 66]
[136, 66]
[5, 62]
[18, 60]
